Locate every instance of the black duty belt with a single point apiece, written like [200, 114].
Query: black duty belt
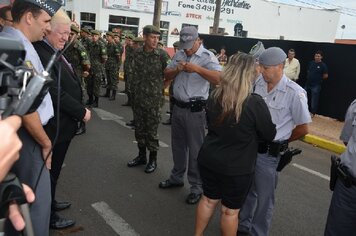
[272, 148]
[195, 104]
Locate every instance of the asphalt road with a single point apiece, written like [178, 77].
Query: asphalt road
[111, 199]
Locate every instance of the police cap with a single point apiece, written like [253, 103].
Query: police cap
[272, 56]
[51, 7]
[257, 50]
[151, 29]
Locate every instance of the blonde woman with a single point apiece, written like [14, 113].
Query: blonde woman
[237, 120]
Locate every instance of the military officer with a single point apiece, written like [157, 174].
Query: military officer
[148, 65]
[98, 57]
[112, 66]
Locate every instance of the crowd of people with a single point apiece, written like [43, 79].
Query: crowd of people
[254, 111]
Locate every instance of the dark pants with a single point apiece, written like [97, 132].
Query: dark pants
[59, 153]
[314, 92]
[342, 211]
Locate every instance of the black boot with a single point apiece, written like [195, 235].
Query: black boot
[141, 159]
[96, 102]
[107, 93]
[90, 100]
[81, 128]
[152, 163]
[113, 95]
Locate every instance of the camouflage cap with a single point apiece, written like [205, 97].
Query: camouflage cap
[110, 34]
[138, 40]
[176, 44]
[74, 28]
[129, 36]
[151, 29]
[86, 30]
[95, 32]
[116, 34]
[51, 7]
[160, 43]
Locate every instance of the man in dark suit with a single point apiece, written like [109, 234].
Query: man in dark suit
[71, 110]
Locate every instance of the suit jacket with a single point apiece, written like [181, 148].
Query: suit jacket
[71, 108]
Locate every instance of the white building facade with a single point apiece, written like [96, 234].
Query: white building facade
[243, 18]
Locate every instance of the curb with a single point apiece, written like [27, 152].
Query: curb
[323, 143]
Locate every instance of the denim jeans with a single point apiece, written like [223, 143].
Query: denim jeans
[314, 91]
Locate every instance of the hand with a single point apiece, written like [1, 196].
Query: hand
[87, 115]
[190, 67]
[85, 74]
[10, 144]
[180, 66]
[14, 211]
[46, 150]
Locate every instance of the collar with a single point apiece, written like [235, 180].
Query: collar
[15, 32]
[281, 85]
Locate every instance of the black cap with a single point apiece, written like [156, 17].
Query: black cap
[151, 29]
[49, 6]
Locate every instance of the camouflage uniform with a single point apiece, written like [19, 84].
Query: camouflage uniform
[79, 58]
[98, 56]
[129, 51]
[148, 70]
[112, 65]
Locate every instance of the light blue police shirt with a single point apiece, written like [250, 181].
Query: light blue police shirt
[188, 85]
[348, 134]
[45, 110]
[287, 103]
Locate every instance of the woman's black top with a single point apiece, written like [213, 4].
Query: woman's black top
[230, 148]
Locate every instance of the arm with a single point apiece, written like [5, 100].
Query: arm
[298, 132]
[33, 125]
[298, 71]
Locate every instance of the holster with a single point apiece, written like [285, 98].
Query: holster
[286, 157]
[335, 162]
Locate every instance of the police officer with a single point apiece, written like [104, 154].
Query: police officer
[170, 90]
[342, 211]
[112, 66]
[148, 65]
[98, 57]
[287, 103]
[36, 143]
[192, 68]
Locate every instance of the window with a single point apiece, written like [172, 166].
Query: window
[221, 31]
[185, 25]
[125, 23]
[87, 20]
[164, 27]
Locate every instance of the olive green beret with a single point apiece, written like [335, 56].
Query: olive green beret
[74, 29]
[110, 34]
[86, 30]
[176, 44]
[151, 29]
[138, 40]
[129, 36]
[95, 32]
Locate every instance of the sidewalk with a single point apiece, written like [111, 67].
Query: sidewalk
[324, 132]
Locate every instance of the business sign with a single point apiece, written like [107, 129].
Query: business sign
[146, 6]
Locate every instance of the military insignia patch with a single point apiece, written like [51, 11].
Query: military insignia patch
[29, 64]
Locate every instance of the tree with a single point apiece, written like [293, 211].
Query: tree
[216, 17]
[157, 13]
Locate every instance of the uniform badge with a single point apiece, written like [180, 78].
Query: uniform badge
[29, 64]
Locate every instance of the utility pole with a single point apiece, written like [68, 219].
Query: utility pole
[217, 17]
[157, 13]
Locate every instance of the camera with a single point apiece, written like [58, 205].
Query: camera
[21, 88]
[21, 92]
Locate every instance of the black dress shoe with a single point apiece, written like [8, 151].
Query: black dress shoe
[81, 128]
[151, 166]
[58, 222]
[193, 198]
[126, 104]
[137, 161]
[59, 206]
[168, 184]
[131, 123]
[242, 233]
